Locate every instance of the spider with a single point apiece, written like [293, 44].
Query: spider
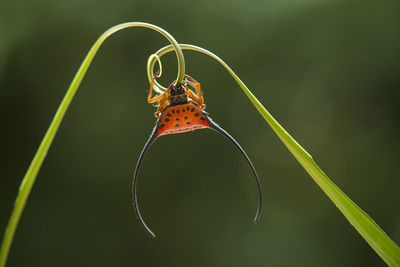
[180, 110]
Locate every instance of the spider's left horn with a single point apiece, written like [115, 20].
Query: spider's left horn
[146, 147]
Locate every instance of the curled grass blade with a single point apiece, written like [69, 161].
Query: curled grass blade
[363, 223]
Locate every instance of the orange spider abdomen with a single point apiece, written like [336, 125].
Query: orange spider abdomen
[182, 118]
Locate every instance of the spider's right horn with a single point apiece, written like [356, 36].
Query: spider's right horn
[221, 131]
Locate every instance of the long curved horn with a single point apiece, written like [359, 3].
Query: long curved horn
[221, 131]
[146, 147]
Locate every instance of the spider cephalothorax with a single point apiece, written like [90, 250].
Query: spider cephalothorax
[177, 95]
[181, 110]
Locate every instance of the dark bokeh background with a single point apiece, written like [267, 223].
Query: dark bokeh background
[328, 71]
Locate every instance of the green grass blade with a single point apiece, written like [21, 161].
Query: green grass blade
[31, 174]
[368, 229]
[363, 223]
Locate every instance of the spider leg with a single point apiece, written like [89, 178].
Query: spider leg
[157, 98]
[161, 98]
[190, 78]
[162, 105]
[196, 85]
[218, 129]
[146, 147]
[195, 98]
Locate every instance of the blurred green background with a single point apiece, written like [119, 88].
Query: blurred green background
[329, 71]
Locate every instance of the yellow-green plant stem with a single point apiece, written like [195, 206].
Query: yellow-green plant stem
[368, 229]
[30, 176]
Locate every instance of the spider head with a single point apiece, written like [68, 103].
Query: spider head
[178, 95]
[176, 89]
